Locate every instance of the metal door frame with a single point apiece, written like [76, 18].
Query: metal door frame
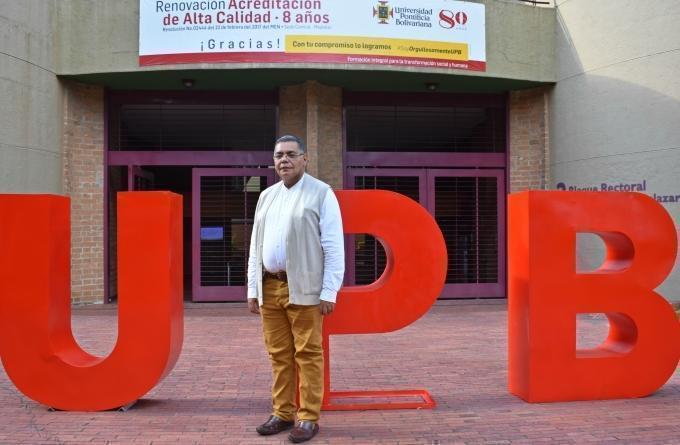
[475, 290]
[136, 171]
[214, 293]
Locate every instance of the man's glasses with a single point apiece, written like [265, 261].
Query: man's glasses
[292, 155]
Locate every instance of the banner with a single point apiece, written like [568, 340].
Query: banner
[426, 33]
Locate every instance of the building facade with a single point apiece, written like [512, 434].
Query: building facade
[573, 96]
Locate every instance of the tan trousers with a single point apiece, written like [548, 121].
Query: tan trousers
[292, 336]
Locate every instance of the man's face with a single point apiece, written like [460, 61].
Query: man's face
[289, 162]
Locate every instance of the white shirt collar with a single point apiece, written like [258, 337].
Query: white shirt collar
[297, 185]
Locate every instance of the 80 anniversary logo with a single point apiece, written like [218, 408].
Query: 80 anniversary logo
[449, 19]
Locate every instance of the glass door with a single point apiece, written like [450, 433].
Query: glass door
[469, 206]
[224, 201]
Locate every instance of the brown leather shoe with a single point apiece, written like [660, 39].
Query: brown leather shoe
[303, 431]
[274, 425]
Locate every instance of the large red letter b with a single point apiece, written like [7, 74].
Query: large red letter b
[547, 292]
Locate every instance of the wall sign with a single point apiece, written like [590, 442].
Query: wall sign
[427, 33]
[640, 186]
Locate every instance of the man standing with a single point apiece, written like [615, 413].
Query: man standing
[295, 269]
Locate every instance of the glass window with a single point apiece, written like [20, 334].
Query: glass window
[426, 129]
[192, 127]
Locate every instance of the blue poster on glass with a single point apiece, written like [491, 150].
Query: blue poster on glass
[212, 233]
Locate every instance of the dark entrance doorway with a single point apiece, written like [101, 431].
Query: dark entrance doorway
[448, 152]
[218, 208]
[157, 140]
[468, 205]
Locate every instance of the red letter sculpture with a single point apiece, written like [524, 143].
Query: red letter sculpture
[37, 346]
[546, 293]
[413, 278]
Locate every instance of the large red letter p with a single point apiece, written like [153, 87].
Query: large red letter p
[412, 280]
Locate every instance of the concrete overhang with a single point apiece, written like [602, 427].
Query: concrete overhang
[97, 42]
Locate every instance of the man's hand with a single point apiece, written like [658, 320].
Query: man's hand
[253, 305]
[326, 307]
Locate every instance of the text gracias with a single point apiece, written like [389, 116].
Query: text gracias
[200, 18]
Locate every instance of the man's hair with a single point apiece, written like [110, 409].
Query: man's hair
[291, 138]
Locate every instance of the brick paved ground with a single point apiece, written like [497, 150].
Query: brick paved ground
[218, 391]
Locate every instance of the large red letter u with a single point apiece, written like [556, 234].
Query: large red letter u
[37, 346]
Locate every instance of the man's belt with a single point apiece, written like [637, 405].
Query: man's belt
[281, 275]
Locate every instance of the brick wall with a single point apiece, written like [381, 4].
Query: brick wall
[314, 112]
[325, 131]
[83, 181]
[529, 147]
[293, 111]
